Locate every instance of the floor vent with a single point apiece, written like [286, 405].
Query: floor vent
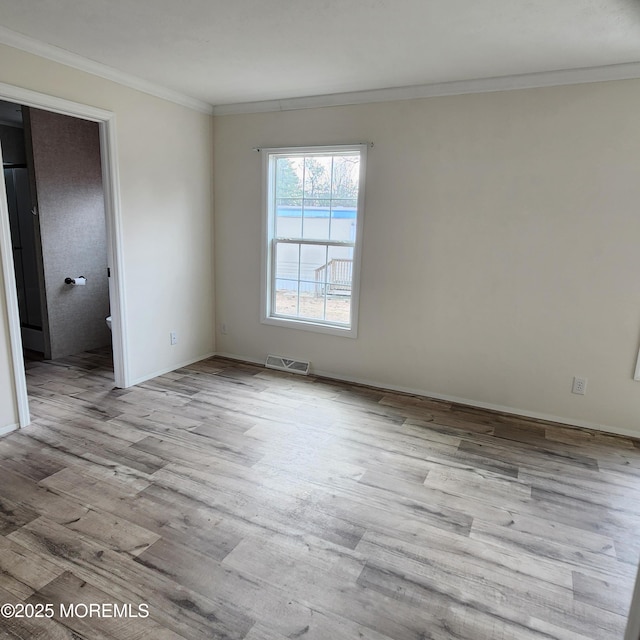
[285, 364]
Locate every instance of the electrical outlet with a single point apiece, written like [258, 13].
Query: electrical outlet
[223, 329]
[173, 337]
[579, 386]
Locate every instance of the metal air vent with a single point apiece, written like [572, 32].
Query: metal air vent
[287, 364]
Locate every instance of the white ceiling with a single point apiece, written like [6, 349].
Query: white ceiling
[236, 51]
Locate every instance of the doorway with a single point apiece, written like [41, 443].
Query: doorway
[104, 121]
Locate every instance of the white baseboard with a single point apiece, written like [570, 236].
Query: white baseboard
[8, 429]
[536, 415]
[233, 356]
[155, 374]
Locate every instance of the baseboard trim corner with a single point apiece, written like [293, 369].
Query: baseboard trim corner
[161, 372]
[9, 429]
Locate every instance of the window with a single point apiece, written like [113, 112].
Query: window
[313, 229]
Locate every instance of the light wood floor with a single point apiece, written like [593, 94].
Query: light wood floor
[241, 503]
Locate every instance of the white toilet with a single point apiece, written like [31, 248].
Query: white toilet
[109, 322]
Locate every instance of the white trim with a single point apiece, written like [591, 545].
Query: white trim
[173, 367]
[267, 239]
[13, 314]
[310, 325]
[626, 71]
[113, 220]
[9, 428]
[39, 100]
[69, 59]
[636, 375]
[384, 386]
[237, 358]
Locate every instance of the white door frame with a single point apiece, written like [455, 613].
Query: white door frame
[113, 218]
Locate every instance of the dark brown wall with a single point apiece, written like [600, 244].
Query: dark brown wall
[68, 176]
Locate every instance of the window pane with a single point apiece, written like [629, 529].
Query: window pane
[339, 271]
[289, 180]
[286, 298]
[338, 310]
[311, 301]
[288, 221]
[346, 176]
[317, 179]
[287, 260]
[339, 276]
[344, 220]
[288, 197]
[312, 259]
[313, 273]
[316, 220]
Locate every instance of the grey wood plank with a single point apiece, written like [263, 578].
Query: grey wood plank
[69, 590]
[32, 628]
[329, 579]
[84, 440]
[174, 606]
[414, 573]
[280, 610]
[284, 507]
[21, 572]
[614, 596]
[530, 543]
[13, 515]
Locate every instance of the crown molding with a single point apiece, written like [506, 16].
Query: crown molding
[62, 56]
[626, 71]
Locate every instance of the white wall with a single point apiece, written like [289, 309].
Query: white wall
[165, 158]
[500, 254]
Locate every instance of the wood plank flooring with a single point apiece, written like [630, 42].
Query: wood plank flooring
[242, 503]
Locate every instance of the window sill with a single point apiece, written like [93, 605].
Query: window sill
[309, 325]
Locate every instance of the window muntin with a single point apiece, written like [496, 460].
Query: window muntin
[313, 228]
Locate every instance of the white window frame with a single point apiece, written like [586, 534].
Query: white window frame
[268, 241]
